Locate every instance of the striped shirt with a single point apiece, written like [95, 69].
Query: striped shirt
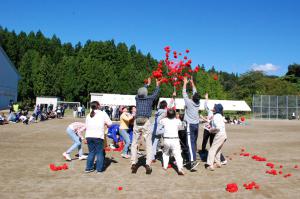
[78, 127]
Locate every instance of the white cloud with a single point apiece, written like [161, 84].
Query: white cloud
[268, 67]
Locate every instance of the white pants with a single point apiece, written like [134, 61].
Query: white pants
[214, 153]
[139, 131]
[172, 145]
[74, 114]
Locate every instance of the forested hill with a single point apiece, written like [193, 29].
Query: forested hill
[49, 67]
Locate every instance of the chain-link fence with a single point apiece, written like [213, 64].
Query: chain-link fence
[275, 107]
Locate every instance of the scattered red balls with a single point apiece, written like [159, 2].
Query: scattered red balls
[232, 187]
[58, 168]
[251, 185]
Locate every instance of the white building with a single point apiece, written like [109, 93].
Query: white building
[47, 101]
[9, 78]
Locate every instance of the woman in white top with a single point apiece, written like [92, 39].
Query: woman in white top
[217, 127]
[95, 123]
[171, 140]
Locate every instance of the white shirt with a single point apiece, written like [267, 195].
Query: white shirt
[23, 118]
[95, 125]
[218, 122]
[171, 126]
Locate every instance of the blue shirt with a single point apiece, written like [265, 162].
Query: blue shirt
[144, 105]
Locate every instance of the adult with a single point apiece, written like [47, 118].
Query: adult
[58, 111]
[75, 131]
[110, 112]
[74, 111]
[218, 127]
[191, 117]
[95, 123]
[62, 110]
[83, 111]
[79, 109]
[142, 125]
[124, 131]
[3, 119]
[16, 107]
[10, 106]
[206, 134]
[37, 111]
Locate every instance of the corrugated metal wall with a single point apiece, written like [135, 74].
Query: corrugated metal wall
[8, 81]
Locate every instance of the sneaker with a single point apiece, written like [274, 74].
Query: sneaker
[224, 162]
[194, 165]
[83, 157]
[89, 171]
[148, 169]
[210, 168]
[67, 156]
[125, 156]
[134, 168]
[180, 172]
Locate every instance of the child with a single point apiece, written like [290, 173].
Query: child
[171, 140]
[158, 129]
[75, 130]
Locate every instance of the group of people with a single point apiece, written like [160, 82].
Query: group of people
[79, 111]
[178, 132]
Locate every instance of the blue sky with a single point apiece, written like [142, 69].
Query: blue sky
[233, 35]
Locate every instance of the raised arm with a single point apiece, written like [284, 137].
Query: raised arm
[205, 103]
[193, 85]
[148, 82]
[184, 94]
[156, 91]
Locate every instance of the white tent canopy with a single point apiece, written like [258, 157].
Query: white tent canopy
[113, 99]
[228, 105]
[129, 100]
[47, 100]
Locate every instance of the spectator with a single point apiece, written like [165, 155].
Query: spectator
[74, 111]
[79, 109]
[3, 119]
[83, 111]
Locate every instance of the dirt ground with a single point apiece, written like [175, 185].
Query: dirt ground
[27, 151]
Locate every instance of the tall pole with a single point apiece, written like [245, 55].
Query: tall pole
[287, 107]
[260, 106]
[277, 108]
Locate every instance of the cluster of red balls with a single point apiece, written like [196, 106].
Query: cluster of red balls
[58, 168]
[175, 70]
[232, 187]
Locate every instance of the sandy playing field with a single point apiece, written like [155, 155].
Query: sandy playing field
[27, 151]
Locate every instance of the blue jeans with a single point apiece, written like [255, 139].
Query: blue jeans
[95, 146]
[192, 136]
[76, 142]
[125, 135]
